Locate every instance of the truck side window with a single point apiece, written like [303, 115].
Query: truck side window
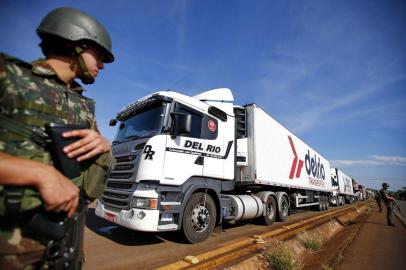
[196, 131]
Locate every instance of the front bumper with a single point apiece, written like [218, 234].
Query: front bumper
[135, 219]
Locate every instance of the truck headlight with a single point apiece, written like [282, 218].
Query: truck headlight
[145, 203]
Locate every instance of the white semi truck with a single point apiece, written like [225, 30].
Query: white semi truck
[343, 191]
[191, 163]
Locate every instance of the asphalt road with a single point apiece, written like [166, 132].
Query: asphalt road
[109, 246]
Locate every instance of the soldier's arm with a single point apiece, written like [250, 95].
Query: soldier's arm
[57, 192]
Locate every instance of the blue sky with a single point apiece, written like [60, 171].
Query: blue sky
[333, 72]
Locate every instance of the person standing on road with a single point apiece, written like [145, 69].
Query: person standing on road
[388, 200]
[378, 200]
[42, 211]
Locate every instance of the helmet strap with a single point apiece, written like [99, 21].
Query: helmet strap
[85, 75]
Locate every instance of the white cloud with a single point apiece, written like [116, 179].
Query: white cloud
[391, 159]
[284, 85]
[374, 160]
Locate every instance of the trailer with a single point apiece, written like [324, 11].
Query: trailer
[191, 163]
[370, 194]
[363, 193]
[342, 186]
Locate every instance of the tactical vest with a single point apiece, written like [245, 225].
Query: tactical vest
[33, 96]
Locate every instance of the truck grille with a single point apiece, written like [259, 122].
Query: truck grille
[119, 185]
[117, 196]
[120, 175]
[124, 167]
[117, 199]
[114, 202]
[126, 158]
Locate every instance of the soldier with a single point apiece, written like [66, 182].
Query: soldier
[42, 211]
[378, 200]
[388, 200]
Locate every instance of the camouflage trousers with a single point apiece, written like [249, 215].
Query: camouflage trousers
[389, 211]
[19, 252]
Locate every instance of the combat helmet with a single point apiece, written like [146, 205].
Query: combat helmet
[385, 185]
[74, 25]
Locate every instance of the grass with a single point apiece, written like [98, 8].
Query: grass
[278, 256]
[352, 222]
[368, 210]
[312, 241]
[326, 267]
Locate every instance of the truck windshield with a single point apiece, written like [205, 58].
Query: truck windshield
[144, 123]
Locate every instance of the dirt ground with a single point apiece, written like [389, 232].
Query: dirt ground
[109, 246]
[377, 246]
[368, 243]
[365, 243]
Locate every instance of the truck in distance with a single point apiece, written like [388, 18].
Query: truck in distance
[190, 163]
[342, 184]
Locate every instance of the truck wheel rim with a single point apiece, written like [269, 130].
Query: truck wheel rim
[284, 208]
[270, 211]
[200, 217]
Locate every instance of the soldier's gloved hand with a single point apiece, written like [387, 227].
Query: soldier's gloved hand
[91, 144]
[58, 192]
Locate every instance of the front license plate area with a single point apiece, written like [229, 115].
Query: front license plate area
[110, 217]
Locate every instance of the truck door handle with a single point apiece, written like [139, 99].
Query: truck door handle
[199, 160]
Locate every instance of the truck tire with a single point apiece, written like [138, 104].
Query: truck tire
[199, 217]
[324, 203]
[321, 204]
[270, 211]
[283, 212]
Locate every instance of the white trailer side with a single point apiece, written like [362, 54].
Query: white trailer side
[345, 186]
[279, 158]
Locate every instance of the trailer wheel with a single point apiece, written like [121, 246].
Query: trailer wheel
[321, 204]
[199, 217]
[270, 211]
[283, 212]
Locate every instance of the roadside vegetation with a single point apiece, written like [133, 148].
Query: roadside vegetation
[370, 205]
[400, 194]
[368, 210]
[311, 240]
[278, 256]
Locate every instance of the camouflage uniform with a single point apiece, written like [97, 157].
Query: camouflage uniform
[389, 205]
[33, 95]
[378, 200]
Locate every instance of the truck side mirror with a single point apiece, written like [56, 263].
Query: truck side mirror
[182, 124]
[112, 122]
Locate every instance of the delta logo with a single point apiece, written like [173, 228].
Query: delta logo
[314, 168]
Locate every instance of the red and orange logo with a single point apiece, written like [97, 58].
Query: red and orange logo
[212, 126]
